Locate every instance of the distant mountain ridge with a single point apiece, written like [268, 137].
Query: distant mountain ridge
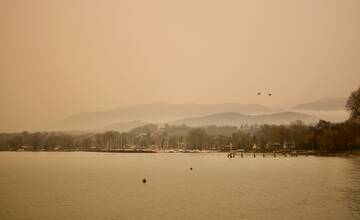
[324, 104]
[126, 118]
[153, 113]
[123, 126]
[236, 119]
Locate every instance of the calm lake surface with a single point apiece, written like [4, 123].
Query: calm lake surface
[84, 185]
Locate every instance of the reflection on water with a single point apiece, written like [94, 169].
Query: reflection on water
[109, 186]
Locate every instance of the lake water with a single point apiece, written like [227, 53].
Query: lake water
[84, 185]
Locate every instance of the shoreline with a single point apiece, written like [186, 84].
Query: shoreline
[260, 153]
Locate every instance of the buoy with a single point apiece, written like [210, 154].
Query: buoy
[144, 180]
[191, 168]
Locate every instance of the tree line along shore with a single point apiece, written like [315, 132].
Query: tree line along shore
[322, 137]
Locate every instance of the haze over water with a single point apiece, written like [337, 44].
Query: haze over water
[179, 76]
[108, 186]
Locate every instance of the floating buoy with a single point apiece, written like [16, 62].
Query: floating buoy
[144, 180]
[191, 168]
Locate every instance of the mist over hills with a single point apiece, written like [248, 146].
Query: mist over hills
[127, 118]
[153, 113]
[324, 104]
[237, 119]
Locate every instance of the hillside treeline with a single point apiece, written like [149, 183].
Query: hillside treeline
[324, 137]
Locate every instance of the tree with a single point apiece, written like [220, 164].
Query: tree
[15, 142]
[197, 138]
[353, 105]
[36, 141]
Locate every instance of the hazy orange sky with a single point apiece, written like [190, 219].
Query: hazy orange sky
[59, 57]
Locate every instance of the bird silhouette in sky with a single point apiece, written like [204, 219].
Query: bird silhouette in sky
[269, 94]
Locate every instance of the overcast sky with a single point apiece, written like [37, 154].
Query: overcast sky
[59, 57]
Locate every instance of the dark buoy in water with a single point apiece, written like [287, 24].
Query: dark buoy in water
[144, 180]
[191, 168]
